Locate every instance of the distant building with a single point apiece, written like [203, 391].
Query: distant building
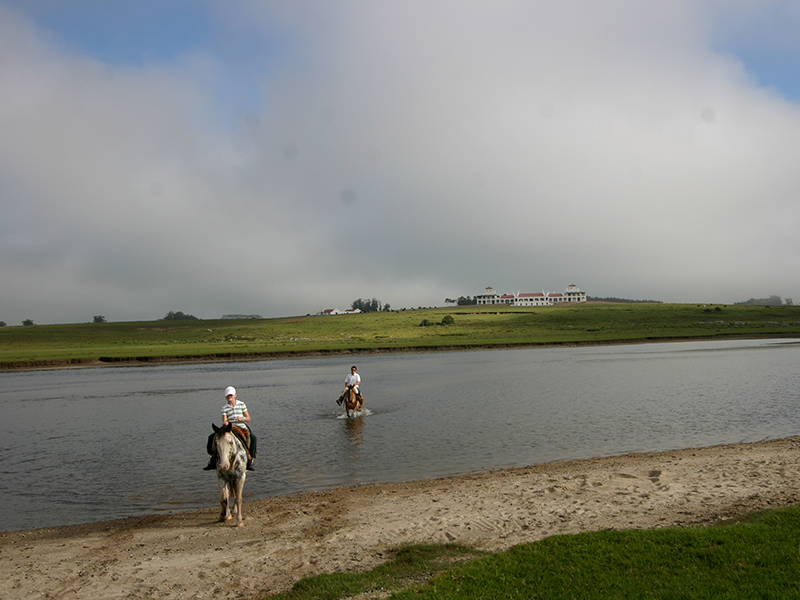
[571, 294]
[336, 311]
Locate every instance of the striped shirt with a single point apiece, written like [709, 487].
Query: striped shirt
[234, 412]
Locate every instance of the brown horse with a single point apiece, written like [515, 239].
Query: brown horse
[231, 473]
[352, 402]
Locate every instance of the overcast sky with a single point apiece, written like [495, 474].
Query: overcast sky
[279, 158]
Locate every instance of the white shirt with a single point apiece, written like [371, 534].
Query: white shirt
[352, 379]
[234, 412]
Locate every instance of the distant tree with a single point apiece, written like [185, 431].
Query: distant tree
[387, 307]
[2, 323]
[621, 300]
[365, 305]
[465, 301]
[450, 301]
[771, 301]
[27, 322]
[177, 316]
[788, 302]
[99, 319]
[448, 320]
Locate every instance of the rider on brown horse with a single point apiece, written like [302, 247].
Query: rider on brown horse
[353, 380]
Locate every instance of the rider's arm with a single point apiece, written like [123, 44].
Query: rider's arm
[246, 417]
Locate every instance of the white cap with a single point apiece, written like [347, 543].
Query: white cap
[230, 391]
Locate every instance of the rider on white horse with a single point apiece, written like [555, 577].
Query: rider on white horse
[234, 412]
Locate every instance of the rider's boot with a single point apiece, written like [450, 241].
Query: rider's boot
[250, 466]
[212, 463]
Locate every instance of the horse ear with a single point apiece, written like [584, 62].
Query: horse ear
[215, 428]
[229, 426]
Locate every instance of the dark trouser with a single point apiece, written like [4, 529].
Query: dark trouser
[212, 451]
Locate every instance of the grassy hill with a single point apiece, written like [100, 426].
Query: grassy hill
[472, 326]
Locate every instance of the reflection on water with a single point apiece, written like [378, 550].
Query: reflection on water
[90, 444]
[353, 429]
[352, 449]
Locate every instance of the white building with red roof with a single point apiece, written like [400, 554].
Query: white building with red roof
[572, 294]
[336, 311]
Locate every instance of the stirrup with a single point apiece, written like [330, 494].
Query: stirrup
[212, 464]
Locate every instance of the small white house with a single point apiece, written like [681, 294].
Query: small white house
[336, 311]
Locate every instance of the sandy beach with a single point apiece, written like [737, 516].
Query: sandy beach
[191, 555]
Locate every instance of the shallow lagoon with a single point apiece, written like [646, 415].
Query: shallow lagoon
[93, 444]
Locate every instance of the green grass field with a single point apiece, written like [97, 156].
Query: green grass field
[757, 557]
[472, 326]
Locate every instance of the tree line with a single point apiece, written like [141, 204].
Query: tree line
[461, 301]
[365, 305]
[771, 301]
[621, 300]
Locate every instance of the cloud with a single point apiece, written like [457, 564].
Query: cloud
[405, 151]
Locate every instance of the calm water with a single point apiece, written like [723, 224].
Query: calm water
[85, 445]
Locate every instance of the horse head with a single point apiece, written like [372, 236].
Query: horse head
[220, 430]
[351, 401]
[227, 446]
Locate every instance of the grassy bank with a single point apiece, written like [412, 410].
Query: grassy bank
[472, 326]
[754, 558]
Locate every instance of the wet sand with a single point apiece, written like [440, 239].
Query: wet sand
[191, 555]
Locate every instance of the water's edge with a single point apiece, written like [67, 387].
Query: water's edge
[223, 357]
[558, 465]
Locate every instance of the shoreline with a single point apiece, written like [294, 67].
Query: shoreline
[355, 528]
[101, 361]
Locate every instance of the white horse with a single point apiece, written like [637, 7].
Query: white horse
[231, 472]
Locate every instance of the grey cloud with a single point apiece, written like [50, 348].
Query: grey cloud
[412, 152]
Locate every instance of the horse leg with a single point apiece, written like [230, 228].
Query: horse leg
[238, 492]
[224, 495]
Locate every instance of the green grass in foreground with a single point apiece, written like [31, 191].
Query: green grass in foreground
[472, 326]
[756, 557]
[409, 567]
